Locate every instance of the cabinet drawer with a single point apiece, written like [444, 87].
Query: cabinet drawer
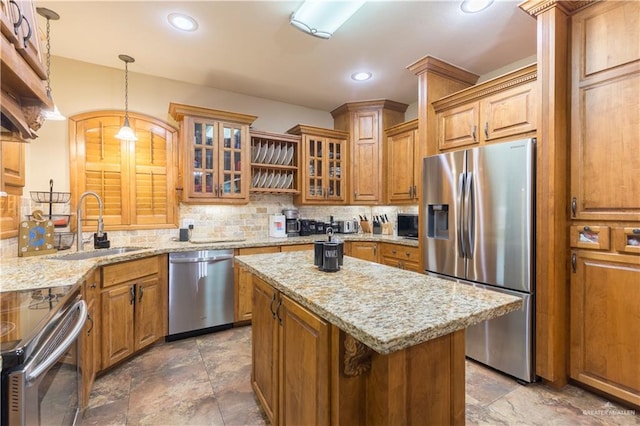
[400, 252]
[590, 237]
[128, 271]
[627, 240]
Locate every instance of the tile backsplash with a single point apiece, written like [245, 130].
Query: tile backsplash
[247, 221]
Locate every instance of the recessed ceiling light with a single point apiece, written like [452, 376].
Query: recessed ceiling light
[182, 22]
[474, 6]
[361, 76]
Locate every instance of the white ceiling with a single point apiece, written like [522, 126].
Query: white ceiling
[249, 47]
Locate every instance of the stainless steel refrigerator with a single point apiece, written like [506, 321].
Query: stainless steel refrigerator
[479, 229]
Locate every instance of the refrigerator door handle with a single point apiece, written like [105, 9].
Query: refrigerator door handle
[460, 205]
[469, 213]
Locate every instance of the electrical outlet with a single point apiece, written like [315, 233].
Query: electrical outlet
[187, 222]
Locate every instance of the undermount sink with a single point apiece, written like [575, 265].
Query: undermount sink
[98, 253]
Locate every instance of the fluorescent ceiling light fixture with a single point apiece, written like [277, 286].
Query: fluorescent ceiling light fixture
[321, 18]
[182, 22]
[474, 6]
[361, 76]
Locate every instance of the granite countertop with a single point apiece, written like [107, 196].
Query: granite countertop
[33, 272]
[386, 308]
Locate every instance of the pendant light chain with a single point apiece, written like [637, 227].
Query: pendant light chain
[48, 58]
[126, 91]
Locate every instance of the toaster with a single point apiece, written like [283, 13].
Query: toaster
[347, 226]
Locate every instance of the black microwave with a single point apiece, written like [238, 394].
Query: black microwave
[408, 225]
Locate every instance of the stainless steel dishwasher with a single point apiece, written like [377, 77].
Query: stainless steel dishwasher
[200, 292]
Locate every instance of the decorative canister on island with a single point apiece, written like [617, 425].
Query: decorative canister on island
[277, 226]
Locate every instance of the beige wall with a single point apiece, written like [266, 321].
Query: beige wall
[79, 87]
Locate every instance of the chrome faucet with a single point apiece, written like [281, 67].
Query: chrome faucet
[80, 242]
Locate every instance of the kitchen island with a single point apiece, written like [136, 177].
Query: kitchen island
[369, 344]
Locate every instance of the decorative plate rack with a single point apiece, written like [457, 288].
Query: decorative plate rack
[274, 163]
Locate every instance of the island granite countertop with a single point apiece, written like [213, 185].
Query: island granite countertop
[386, 308]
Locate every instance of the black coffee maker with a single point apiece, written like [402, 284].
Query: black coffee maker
[292, 223]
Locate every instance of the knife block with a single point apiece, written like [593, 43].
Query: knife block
[365, 226]
[387, 228]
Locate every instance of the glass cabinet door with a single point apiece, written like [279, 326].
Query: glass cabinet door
[315, 181]
[335, 188]
[203, 151]
[231, 160]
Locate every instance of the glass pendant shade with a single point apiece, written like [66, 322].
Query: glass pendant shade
[126, 133]
[54, 114]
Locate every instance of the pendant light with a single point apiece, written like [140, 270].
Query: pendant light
[126, 132]
[50, 15]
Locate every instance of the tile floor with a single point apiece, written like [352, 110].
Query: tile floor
[205, 381]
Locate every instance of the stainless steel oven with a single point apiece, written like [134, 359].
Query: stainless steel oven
[41, 379]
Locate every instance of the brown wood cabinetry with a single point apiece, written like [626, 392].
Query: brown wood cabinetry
[365, 250]
[403, 257]
[323, 165]
[497, 110]
[604, 199]
[291, 348]
[403, 163]
[90, 339]
[365, 122]
[605, 105]
[134, 307]
[216, 157]
[12, 177]
[297, 247]
[24, 94]
[135, 179]
[605, 327]
[243, 285]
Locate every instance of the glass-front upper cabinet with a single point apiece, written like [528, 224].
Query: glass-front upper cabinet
[216, 150]
[324, 165]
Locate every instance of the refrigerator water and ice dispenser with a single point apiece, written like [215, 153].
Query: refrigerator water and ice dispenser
[438, 221]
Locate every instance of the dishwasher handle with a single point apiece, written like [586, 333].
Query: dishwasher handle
[212, 259]
[35, 367]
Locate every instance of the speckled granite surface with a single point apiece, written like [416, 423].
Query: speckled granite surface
[386, 308]
[25, 273]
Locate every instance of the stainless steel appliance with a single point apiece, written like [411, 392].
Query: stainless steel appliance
[292, 222]
[348, 226]
[408, 225]
[200, 292]
[479, 229]
[39, 337]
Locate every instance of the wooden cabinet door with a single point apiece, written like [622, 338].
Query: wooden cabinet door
[243, 292]
[9, 215]
[605, 125]
[148, 311]
[605, 326]
[366, 156]
[364, 250]
[509, 113]
[458, 126]
[402, 177]
[234, 162]
[12, 160]
[117, 324]
[200, 143]
[304, 366]
[264, 339]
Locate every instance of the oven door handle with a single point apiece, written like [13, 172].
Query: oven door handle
[34, 368]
